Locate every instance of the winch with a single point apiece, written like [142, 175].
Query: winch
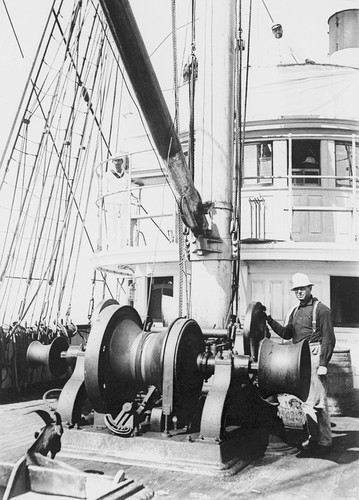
[171, 380]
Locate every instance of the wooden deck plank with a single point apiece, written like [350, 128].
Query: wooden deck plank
[273, 477]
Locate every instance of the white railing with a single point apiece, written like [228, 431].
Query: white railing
[255, 188]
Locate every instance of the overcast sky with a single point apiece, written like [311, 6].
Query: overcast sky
[305, 25]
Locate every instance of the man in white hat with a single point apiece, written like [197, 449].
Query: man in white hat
[312, 320]
[117, 183]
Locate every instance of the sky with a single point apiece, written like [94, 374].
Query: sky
[305, 27]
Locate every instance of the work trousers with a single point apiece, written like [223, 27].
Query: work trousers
[118, 225]
[316, 406]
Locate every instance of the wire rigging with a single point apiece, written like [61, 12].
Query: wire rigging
[60, 153]
[13, 29]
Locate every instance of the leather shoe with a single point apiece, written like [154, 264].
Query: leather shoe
[314, 450]
[309, 444]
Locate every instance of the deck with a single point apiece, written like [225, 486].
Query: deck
[276, 476]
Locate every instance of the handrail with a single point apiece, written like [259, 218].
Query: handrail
[101, 204]
[354, 187]
[301, 135]
[299, 176]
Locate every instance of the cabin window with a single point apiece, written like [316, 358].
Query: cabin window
[344, 163]
[258, 163]
[344, 300]
[161, 297]
[305, 162]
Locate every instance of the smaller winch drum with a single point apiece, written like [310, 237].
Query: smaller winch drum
[49, 355]
[284, 369]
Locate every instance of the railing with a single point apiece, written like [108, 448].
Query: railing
[259, 188]
[259, 212]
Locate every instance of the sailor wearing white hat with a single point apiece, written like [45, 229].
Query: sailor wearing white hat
[312, 320]
[300, 280]
[117, 201]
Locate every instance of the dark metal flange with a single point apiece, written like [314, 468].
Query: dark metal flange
[108, 370]
[254, 329]
[101, 306]
[182, 381]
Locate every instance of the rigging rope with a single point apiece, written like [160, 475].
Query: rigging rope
[176, 121]
[68, 182]
[13, 29]
[241, 113]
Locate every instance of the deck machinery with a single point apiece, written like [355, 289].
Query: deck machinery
[174, 383]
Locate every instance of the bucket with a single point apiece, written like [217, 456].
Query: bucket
[340, 383]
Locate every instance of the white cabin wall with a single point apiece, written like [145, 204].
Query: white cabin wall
[270, 283]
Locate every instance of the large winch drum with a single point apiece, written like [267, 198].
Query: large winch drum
[122, 360]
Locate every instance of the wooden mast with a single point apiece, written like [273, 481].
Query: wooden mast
[212, 271]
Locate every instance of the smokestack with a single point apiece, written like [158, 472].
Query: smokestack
[344, 37]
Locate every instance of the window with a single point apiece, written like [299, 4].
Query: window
[344, 162]
[305, 161]
[344, 300]
[258, 163]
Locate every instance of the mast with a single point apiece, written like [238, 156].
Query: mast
[212, 271]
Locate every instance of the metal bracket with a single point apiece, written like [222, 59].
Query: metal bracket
[123, 424]
[212, 416]
[129, 417]
[73, 394]
[206, 245]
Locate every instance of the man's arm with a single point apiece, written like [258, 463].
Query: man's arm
[286, 332]
[327, 333]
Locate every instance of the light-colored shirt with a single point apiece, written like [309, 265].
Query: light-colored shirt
[117, 185]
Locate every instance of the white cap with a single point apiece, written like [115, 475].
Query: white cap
[310, 159]
[119, 154]
[299, 280]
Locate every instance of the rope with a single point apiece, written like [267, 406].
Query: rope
[176, 120]
[46, 397]
[183, 282]
[269, 14]
[239, 154]
[13, 29]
